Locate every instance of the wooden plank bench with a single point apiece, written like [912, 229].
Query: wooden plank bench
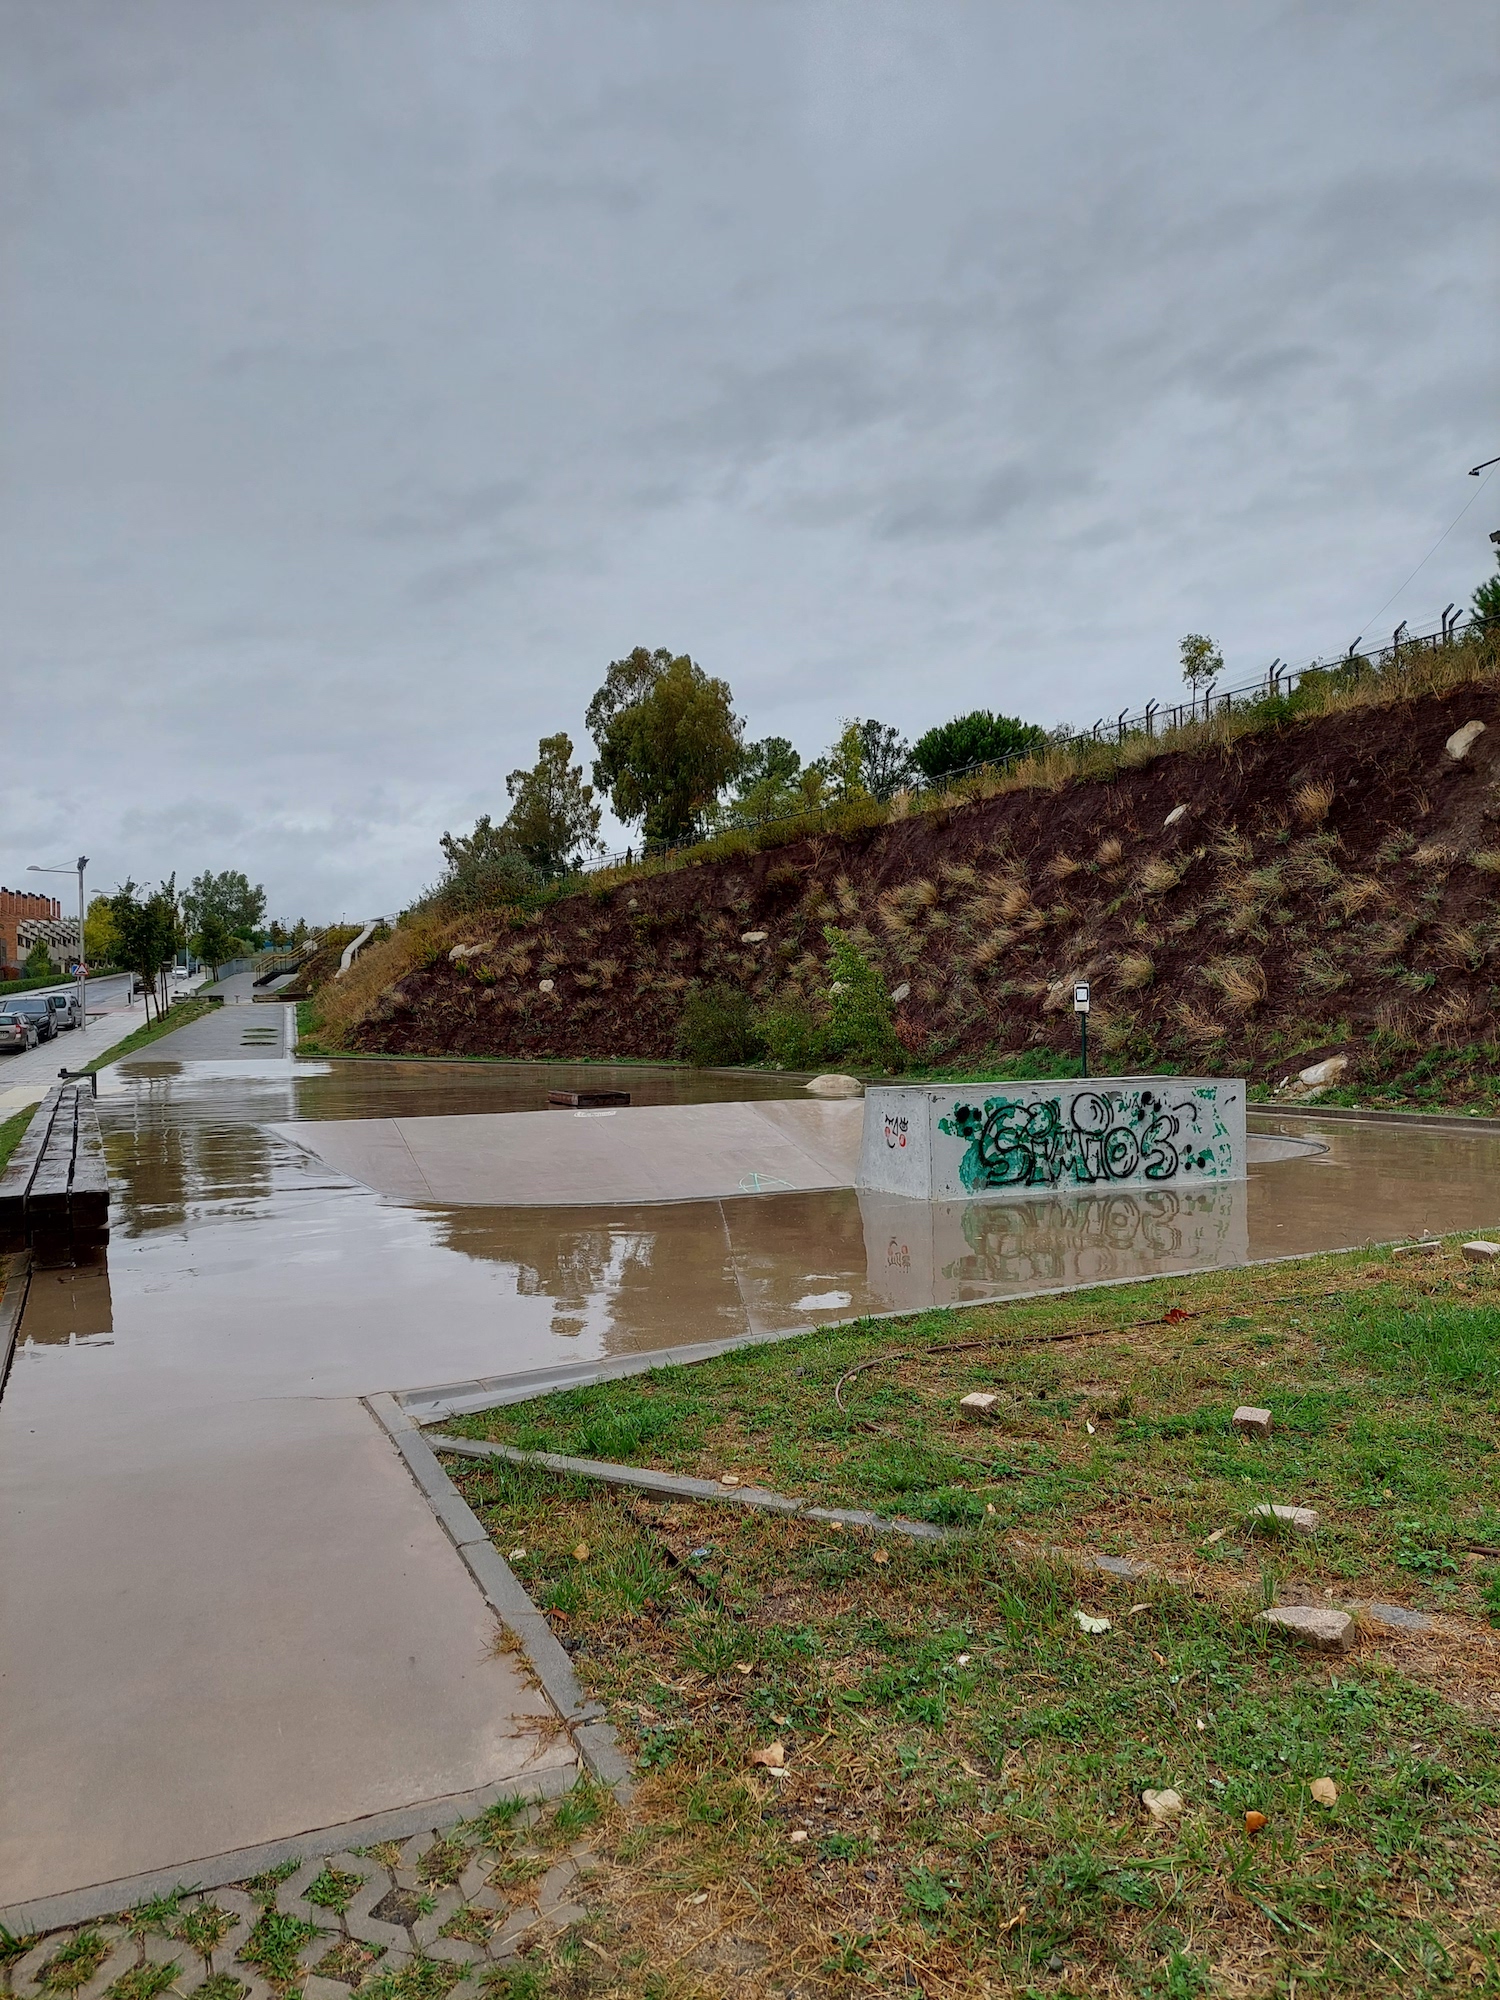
[54, 1194]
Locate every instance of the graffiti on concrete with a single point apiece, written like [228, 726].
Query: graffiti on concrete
[895, 1130]
[1085, 1136]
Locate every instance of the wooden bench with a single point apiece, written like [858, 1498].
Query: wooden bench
[54, 1194]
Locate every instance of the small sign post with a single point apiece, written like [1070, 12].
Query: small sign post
[1081, 1009]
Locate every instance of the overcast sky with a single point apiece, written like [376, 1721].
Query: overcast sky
[375, 371]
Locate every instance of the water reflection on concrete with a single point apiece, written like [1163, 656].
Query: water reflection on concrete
[192, 1149]
[237, 1619]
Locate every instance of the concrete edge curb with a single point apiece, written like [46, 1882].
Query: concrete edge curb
[1351, 1114]
[12, 1305]
[593, 1737]
[73, 1906]
[680, 1486]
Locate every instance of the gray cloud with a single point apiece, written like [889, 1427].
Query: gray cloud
[376, 372]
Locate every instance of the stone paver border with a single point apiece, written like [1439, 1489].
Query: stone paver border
[78, 1906]
[548, 1905]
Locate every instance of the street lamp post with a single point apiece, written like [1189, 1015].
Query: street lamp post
[82, 979]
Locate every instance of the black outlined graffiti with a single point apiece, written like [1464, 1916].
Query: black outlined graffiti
[1085, 1137]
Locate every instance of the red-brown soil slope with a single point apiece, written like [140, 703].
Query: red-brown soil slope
[1331, 882]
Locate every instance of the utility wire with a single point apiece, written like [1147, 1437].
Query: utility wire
[1436, 545]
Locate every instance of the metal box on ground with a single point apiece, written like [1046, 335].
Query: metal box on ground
[949, 1141]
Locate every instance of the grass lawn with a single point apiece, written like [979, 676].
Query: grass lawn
[960, 1808]
[12, 1130]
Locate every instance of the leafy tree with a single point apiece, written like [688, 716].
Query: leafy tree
[1201, 660]
[214, 943]
[552, 815]
[884, 757]
[772, 783]
[230, 898]
[100, 940]
[844, 764]
[1487, 597]
[485, 869]
[977, 738]
[149, 932]
[668, 741]
[38, 960]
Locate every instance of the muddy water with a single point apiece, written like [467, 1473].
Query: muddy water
[232, 1617]
[209, 1194]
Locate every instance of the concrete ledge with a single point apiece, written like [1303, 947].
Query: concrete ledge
[104, 1898]
[679, 1486]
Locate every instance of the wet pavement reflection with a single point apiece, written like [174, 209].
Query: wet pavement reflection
[207, 1192]
[238, 1618]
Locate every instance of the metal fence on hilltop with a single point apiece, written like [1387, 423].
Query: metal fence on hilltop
[1155, 719]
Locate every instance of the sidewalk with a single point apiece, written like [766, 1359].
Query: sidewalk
[26, 1079]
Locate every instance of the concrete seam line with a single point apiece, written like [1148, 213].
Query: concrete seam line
[594, 1741]
[436, 1403]
[17, 1284]
[102, 1899]
[678, 1486]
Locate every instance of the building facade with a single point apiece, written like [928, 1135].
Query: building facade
[22, 918]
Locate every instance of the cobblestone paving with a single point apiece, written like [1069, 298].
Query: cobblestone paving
[435, 1917]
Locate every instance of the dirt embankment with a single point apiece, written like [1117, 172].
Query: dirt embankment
[1312, 887]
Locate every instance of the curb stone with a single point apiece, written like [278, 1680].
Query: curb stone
[595, 1742]
[679, 1486]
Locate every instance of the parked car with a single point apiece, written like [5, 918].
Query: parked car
[64, 1009]
[180, 975]
[37, 1010]
[17, 1033]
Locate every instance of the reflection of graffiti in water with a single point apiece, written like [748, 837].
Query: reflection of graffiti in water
[1096, 1135]
[1091, 1236]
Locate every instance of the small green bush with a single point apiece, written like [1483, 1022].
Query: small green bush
[791, 1033]
[860, 1027]
[718, 1026]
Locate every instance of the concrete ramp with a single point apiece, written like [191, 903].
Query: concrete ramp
[647, 1153]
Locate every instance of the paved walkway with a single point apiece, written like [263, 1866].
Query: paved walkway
[230, 1617]
[26, 1078]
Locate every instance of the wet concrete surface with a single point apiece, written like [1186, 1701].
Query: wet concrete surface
[229, 1616]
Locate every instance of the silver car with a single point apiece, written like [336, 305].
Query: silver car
[64, 1009]
[17, 1033]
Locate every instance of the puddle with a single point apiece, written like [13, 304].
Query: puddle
[199, 1520]
[261, 1267]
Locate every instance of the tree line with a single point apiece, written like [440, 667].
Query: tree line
[217, 917]
[673, 761]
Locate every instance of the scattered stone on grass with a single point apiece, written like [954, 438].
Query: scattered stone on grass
[979, 1404]
[1480, 1252]
[1305, 1520]
[1173, 816]
[1327, 1630]
[1252, 1421]
[1162, 1806]
[900, 993]
[752, 937]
